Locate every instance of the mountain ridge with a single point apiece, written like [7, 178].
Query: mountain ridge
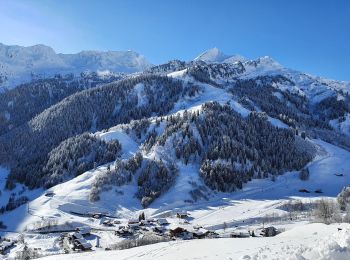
[216, 55]
[23, 64]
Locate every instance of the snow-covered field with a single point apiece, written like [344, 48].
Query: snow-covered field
[312, 241]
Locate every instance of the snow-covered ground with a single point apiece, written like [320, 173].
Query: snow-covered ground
[312, 241]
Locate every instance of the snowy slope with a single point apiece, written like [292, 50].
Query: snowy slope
[216, 55]
[21, 64]
[256, 199]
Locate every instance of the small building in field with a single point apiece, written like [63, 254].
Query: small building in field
[182, 214]
[268, 232]
[108, 223]
[49, 193]
[200, 233]
[117, 222]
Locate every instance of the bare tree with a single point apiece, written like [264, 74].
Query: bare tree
[326, 211]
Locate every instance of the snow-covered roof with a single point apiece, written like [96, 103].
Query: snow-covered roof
[84, 230]
[77, 235]
[162, 221]
[84, 243]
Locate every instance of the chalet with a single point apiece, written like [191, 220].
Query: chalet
[177, 231]
[182, 214]
[84, 231]
[144, 228]
[162, 221]
[76, 235]
[108, 223]
[181, 232]
[81, 244]
[78, 242]
[159, 230]
[123, 232]
[200, 233]
[268, 232]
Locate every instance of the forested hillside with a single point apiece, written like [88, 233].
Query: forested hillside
[20, 104]
[26, 147]
[51, 136]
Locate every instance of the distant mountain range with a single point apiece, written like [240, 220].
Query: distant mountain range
[22, 64]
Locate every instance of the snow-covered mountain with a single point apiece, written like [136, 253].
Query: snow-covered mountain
[22, 64]
[216, 55]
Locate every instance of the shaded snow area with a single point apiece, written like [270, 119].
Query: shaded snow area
[342, 125]
[312, 241]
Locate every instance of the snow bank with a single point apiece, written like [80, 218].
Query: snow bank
[336, 247]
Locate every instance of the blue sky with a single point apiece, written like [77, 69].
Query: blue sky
[308, 35]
